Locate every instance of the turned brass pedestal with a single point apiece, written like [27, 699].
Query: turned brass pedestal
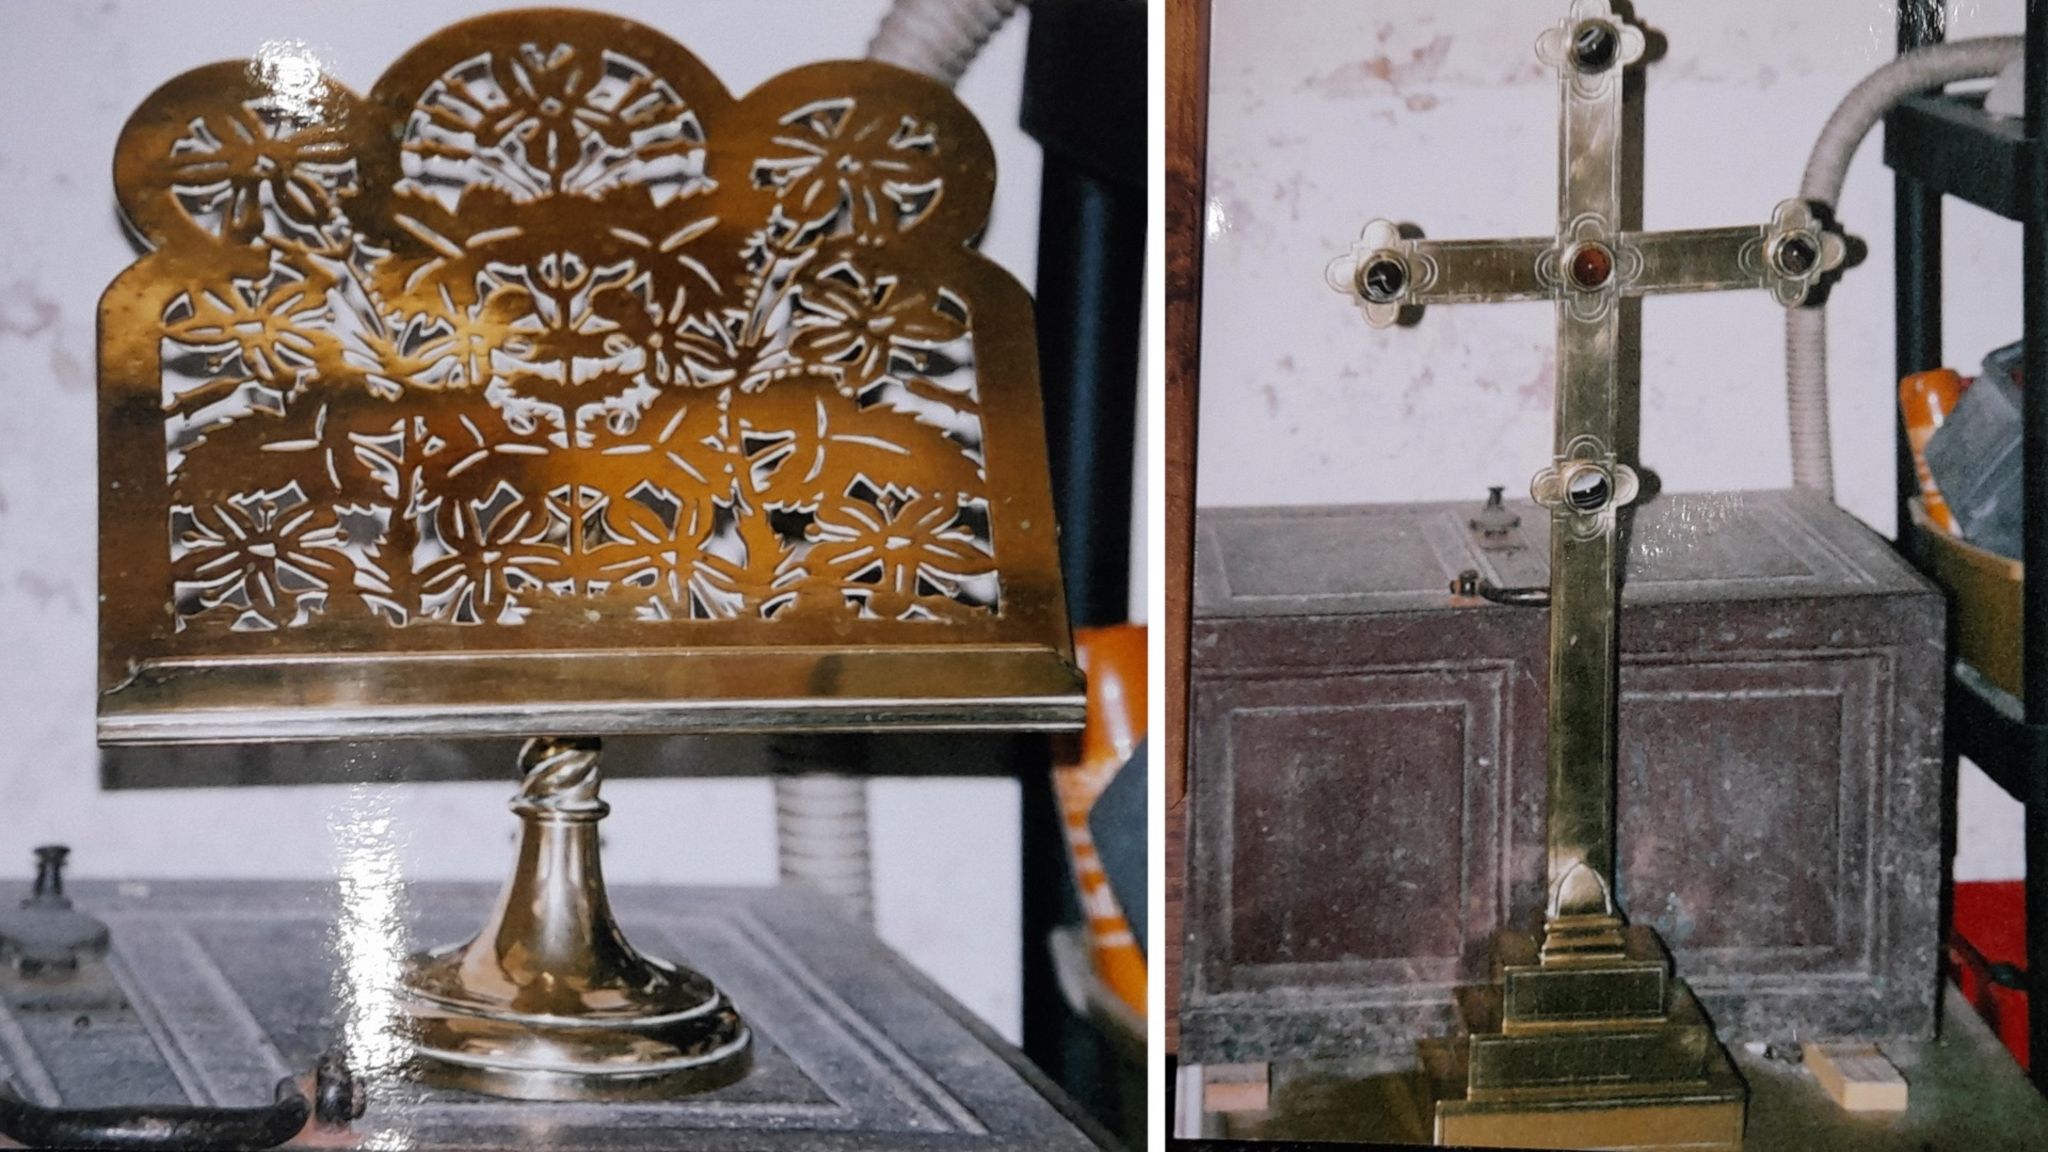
[549, 1001]
[1587, 1041]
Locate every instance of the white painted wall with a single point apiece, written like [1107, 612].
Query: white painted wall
[945, 850]
[1326, 113]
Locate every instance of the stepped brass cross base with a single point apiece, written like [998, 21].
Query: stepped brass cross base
[1584, 1041]
[549, 1001]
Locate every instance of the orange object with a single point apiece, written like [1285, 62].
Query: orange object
[1926, 399]
[1114, 659]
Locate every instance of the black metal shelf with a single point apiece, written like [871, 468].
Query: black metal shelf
[1988, 724]
[1947, 146]
[1952, 146]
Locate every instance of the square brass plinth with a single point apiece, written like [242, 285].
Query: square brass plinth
[1707, 1113]
[1609, 1052]
[1706, 1122]
[1635, 985]
[1967, 1095]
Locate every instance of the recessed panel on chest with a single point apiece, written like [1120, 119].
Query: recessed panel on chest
[1312, 830]
[1744, 807]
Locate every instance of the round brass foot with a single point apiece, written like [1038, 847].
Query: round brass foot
[549, 1001]
[631, 1060]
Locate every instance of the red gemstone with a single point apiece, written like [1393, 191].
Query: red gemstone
[1592, 264]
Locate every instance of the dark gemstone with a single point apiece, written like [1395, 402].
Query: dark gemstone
[1797, 255]
[1588, 490]
[1383, 279]
[1594, 44]
[1592, 265]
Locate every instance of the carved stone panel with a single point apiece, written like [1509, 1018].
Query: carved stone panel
[222, 988]
[1308, 824]
[1305, 820]
[1367, 797]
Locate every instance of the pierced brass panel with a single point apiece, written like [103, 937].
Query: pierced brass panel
[549, 387]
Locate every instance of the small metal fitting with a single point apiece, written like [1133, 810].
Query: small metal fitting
[1495, 521]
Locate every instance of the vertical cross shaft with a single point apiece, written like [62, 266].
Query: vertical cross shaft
[1583, 564]
[1586, 267]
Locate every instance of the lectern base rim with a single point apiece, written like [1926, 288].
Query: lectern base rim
[522, 1062]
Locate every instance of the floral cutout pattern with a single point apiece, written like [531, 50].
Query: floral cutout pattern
[556, 341]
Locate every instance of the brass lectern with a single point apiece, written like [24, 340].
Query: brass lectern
[550, 391]
[1585, 1038]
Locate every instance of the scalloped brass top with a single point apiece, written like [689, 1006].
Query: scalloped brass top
[549, 387]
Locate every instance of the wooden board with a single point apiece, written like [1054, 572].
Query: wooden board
[1187, 147]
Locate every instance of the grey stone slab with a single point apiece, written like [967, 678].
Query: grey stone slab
[1348, 559]
[223, 987]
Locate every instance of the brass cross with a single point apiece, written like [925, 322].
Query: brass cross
[1587, 267]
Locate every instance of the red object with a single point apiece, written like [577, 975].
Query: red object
[1987, 952]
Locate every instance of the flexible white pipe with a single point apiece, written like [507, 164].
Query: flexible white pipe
[1806, 331]
[937, 37]
[821, 826]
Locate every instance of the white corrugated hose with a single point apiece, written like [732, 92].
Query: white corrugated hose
[821, 830]
[939, 38]
[1806, 329]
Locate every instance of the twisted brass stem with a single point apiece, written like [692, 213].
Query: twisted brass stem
[560, 774]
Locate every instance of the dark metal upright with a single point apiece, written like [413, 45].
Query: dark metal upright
[2034, 270]
[1948, 146]
[1916, 232]
[1085, 103]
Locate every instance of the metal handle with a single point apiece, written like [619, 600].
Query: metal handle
[1471, 583]
[337, 1099]
[50, 870]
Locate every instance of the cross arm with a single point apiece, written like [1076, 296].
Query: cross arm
[1386, 272]
[1696, 260]
[1480, 271]
[1788, 256]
